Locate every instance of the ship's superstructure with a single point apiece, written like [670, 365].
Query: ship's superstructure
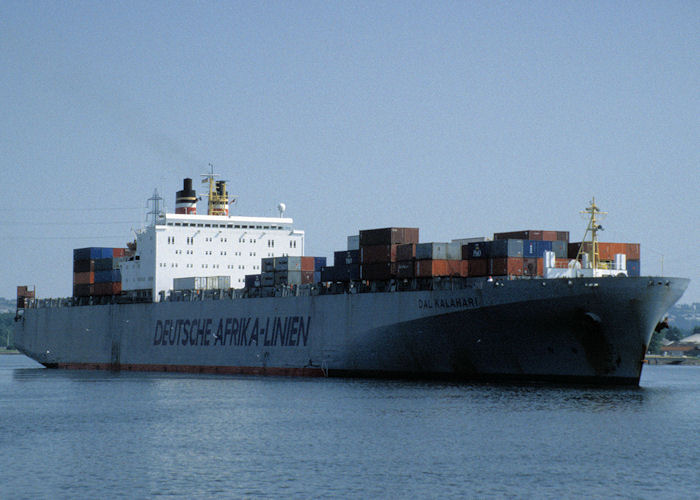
[186, 244]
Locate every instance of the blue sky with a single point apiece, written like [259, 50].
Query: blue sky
[460, 118]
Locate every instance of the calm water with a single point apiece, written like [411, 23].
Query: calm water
[80, 434]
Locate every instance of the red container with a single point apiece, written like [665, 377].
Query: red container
[307, 264]
[549, 235]
[83, 278]
[405, 269]
[478, 267]
[529, 267]
[562, 236]
[405, 251]
[506, 266]
[102, 289]
[378, 253]
[632, 251]
[118, 252]
[307, 277]
[433, 267]
[454, 268]
[608, 250]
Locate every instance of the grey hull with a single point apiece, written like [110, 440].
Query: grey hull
[581, 330]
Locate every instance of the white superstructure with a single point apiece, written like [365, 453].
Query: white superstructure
[185, 245]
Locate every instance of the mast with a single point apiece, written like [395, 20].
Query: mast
[218, 196]
[595, 214]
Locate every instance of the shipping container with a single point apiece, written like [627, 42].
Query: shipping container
[347, 272]
[388, 236]
[466, 241]
[607, 250]
[118, 252]
[308, 264]
[92, 253]
[107, 289]
[536, 248]
[287, 263]
[633, 268]
[506, 266]
[455, 268]
[346, 257]
[530, 266]
[317, 276]
[267, 264]
[431, 251]
[454, 251]
[328, 274]
[253, 281]
[534, 235]
[405, 269]
[478, 267]
[83, 266]
[110, 276]
[405, 252]
[429, 268]
[103, 264]
[267, 279]
[319, 262]
[372, 254]
[83, 290]
[354, 242]
[377, 271]
[83, 278]
[560, 249]
[477, 250]
[506, 248]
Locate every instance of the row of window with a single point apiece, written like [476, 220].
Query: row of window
[206, 266]
[226, 226]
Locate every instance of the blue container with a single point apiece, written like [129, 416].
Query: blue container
[112, 276]
[633, 268]
[319, 262]
[317, 276]
[103, 265]
[346, 257]
[535, 248]
[93, 253]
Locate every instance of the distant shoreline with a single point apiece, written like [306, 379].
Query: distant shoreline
[672, 360]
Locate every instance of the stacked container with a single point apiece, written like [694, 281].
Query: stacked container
[96, 271]
[287, 270]
[516, 253]
[607, 252]
[378, 251]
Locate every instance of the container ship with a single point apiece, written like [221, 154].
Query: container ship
[222, 293]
